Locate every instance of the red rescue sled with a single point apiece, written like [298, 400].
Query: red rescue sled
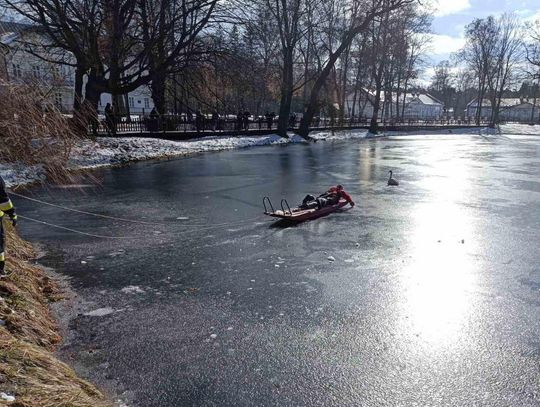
[299, 214]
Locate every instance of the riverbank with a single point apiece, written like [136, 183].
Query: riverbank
[30, 374]
[110, 151]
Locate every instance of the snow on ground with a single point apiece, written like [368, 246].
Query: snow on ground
[521, 129]
[19, 174]
[118, 150]
[110, 151]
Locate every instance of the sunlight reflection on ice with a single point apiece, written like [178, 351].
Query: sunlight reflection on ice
[437, 282]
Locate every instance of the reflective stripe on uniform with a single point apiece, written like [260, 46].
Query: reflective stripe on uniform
[1, 214]
[2, 258]
[6, 206]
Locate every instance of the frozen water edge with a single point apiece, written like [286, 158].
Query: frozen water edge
[111, 151]
[107, 151]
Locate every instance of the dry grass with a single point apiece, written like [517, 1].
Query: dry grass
[34, 135]
[28, 368]
[26, 295]
[34, 131]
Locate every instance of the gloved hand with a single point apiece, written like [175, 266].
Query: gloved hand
[352, 204]
[14, 220]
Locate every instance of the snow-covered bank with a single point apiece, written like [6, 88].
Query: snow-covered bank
[111, 151]
[21, 174]
[106, 151]
[118, 150]
[521, 129]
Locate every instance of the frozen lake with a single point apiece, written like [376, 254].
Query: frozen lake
[433, 298]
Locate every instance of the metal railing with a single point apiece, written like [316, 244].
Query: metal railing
[111, 125]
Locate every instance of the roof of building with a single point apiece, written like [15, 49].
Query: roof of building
[10, 30]
[424, 98]
[412, 97]
[505, 102]
[10, 26]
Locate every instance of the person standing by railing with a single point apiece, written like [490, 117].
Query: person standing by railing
[239, 121]
[199, 120]
[153, 120]
[215, 121]
[292, 121]
[110, 119]
[270, 119]
[246, 120]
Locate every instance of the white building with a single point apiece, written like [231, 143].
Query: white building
[511, 109]
[19, 66]
[139, 101]
[421, 106]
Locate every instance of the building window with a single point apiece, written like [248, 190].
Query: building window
[58, 100]
[36, 71]
[131, 101]
[147, 103]
[17, 71]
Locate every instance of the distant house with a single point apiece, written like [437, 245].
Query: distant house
[414, 105]
[17, 65]
[512, 109]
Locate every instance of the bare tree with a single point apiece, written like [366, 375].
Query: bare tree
[393, 51]
[442, 85]
[119, 45]
[171, 32]
[532, 69]
[288, 15]
[478, 52]
[507, 54]
[361, 15]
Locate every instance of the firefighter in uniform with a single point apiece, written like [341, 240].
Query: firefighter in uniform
[6, 208]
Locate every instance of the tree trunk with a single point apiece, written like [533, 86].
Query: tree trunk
[347, 39]
[78, 89]
[91, 100]
[398, 94]
[343, 85]
[494, 113]
[378, 73]
[310, 110]
[356, 85]
[157, 87]
[405, 89]
[286, 94]
[128, 109]
[533, 106]
[481, 94]
[79, 120]
[374, 124]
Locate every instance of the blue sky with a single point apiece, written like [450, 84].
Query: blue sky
[452, 16]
